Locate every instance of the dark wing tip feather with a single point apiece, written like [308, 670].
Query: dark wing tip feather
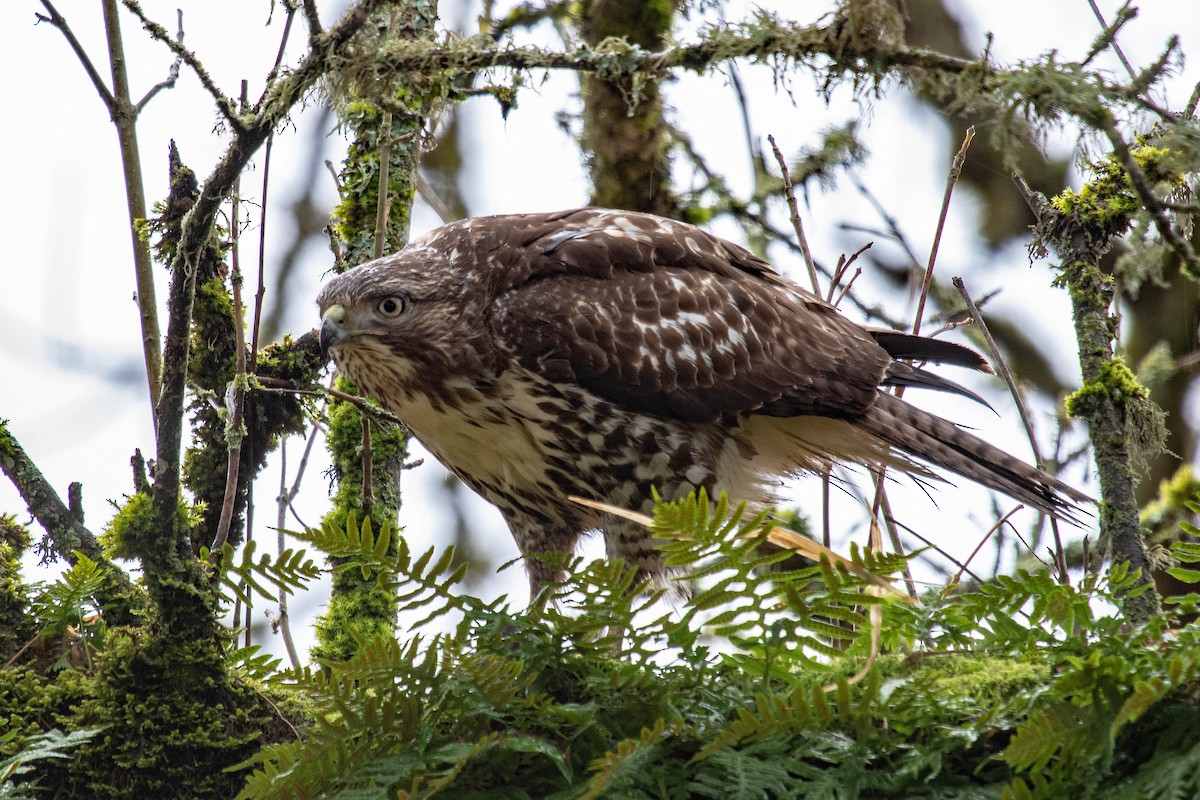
[901, 374]
[924, 348]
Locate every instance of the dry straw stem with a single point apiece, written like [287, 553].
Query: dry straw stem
[780, 537]
[951, 180]
[790, 540]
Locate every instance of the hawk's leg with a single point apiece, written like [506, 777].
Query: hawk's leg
[630, 541]
[545, 547]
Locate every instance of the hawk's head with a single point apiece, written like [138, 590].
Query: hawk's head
[405, 318]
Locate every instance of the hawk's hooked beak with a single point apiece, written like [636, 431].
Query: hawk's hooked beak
[332, 332]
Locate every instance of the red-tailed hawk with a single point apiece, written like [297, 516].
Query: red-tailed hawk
[605, 353]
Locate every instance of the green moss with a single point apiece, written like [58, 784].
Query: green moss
[1164, 515]
[389, 447]
[359, 607]
[15, 626]
[1115, 383]
[171, 722]
[32, 703]
[359, 610]
[134, 531]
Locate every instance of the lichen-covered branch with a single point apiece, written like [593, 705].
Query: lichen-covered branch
[626, 144]
[764, 38]
[1122, 421]
[197, 228]
[65, 533]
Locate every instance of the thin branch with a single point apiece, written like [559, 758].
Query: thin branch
[283, 40]
[797, 224]
[432, 198]
[260, 293]
[368, 464]
[236, 397]
[314, 19]
[962, 568]
[172, 73]
[281, 386]
[951, 179]
[893, 227]
[60, 22]
[284, 503]
[958, 576]
[1109, 35]
[1060, 557]
[262, 254]
[889, 521]
[156, 31]
[124, 117]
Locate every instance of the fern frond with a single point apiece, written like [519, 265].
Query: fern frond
[66, 601]
[289, 571]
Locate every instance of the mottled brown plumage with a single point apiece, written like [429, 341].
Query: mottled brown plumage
[605, 353]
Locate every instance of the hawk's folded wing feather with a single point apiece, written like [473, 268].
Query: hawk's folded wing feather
[668, 319]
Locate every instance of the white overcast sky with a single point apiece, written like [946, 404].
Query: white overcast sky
[70, 357]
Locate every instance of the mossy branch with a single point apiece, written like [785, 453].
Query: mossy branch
[1080, 227]
[67, 535]
[197, 229]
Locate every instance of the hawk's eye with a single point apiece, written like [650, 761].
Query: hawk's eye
[392, 306]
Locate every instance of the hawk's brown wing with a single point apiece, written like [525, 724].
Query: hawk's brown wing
[663, 317]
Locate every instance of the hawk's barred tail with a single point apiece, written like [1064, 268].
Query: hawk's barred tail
[944, 444]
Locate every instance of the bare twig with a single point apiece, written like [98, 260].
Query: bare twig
[893, 227]
[236, 398]
[432, 199]
[889, 520]
[172, 73]
[962, 568]
[361, 403]
[826, 533]
[1060, 558]
[1109, 35]
[283, 40]
[124, 116]
[60, 22]
[156, 31]
[951, 179]
[797, 224]
[262, 255]
[285, 498]
[958, 576]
